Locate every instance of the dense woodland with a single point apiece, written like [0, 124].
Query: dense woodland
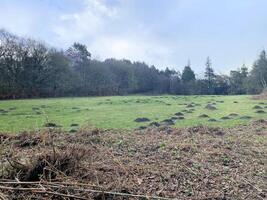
[29, 69]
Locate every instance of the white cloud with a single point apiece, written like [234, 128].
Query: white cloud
[96, 25]
[86, 24]
[133, 48]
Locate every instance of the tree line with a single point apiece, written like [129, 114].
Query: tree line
[29, 69]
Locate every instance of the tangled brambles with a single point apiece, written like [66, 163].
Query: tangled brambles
[158, 162]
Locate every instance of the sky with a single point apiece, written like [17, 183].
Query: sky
[164, 33]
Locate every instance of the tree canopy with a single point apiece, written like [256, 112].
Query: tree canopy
[29, 68]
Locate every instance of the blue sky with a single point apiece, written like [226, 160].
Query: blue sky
[166, 33]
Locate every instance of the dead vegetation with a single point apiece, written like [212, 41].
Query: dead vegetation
[155, 163]
[262, 96]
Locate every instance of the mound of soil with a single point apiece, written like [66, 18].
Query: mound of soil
[226, 117]
[233, 115]
[2, 111]
[168, 122]
[203, 116]
[142, 127]
[74, 124]
[179, 114]
[190, 111]
[257, 107]
[260, 111]
[190, 105]
[212, 120]
[154, 124]
[142, 119]
[210, 107]
[51, 125]
[245, 117]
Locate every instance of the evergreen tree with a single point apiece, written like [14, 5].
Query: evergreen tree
[210, 76]
[188, 74]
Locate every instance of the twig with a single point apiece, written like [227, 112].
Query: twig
[35, 190]
[126, 194]
[45, 182]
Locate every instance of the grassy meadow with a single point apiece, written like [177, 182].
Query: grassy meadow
[120, 112]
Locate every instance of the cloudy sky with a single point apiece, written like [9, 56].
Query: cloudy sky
[166, 33]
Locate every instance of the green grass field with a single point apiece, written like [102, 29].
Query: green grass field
[119, 112]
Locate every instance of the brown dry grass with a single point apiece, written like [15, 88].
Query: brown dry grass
[189, 163]
[262, 96]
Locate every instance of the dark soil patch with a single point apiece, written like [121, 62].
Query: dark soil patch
[74, 108]
[154, 124]
[168, 122]
[212, 120]
[179, 114]
[2, 111]
[142, 119]
[233, 115]
[50, 125]
[190, 111]
[142, 127]
[245, 117]
[203, 116]
[74, 124]
[260, 111]
[190, 105]
[257, 107]
[210, 107]
[226, 117]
